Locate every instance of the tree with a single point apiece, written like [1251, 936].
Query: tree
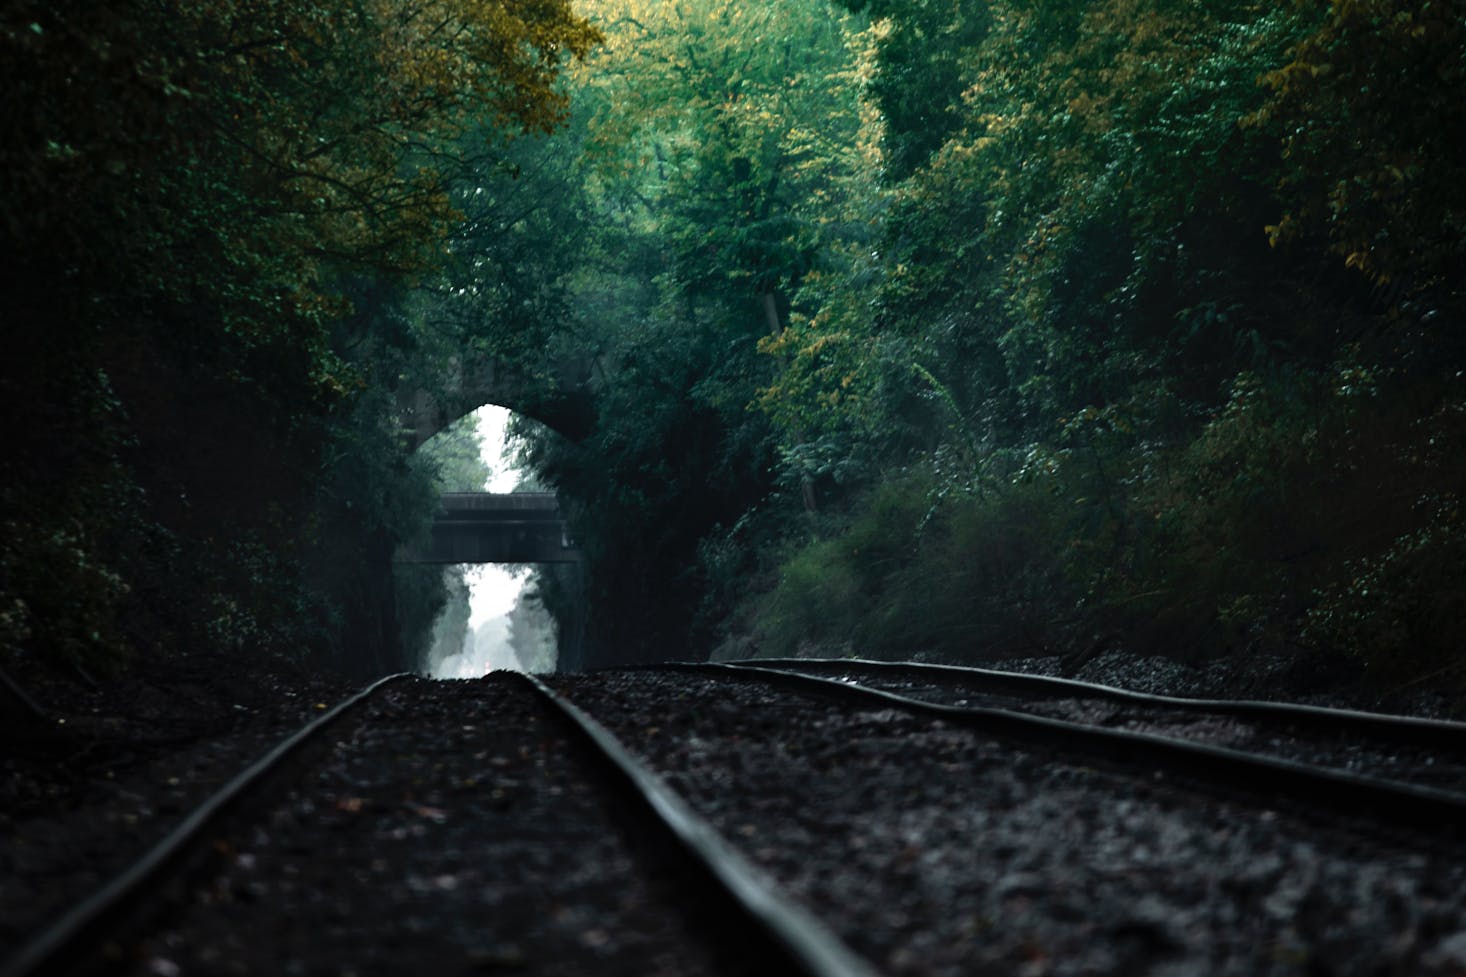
[1367, 107]
[1114, 349]
[922, 67]
[718, 139]
[189, 189]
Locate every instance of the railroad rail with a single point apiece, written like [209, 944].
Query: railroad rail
[1427, 752]
[80, 932]
[945, 694]
[941, 848]
[804, 944]
[1412, 730]
[767, 927]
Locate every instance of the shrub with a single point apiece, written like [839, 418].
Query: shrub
[1398, 613]
[962, 576]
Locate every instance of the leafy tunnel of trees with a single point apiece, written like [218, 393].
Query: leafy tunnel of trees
[1003, 327]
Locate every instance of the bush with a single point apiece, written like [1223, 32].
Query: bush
[964, 577]
[1398, 613]
[826, 588]
[1304, 515]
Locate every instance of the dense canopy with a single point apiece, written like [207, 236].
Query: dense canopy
[1012, 327]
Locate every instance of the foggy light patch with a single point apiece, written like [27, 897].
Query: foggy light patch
[507, 626]
[492, 593]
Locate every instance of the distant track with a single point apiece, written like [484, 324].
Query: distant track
[1424, 752]
[1286, 771]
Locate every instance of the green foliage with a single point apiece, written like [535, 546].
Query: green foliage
[717, 138]
[1302, 515]
[726, 124]
[672, 457]
[832, 591]
[948, 328]
[923, 65]
[1367, 108]
[58, 561]
[456, 455]
[441, 635]
[426, 604]
[919, 571]
[1210, 433]
[1398, 613]
[211, 212]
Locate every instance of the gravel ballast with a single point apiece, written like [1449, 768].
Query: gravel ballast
[452, 829]
[1259, 676]
[117, 766]
[1334, 746]
[937, 851]
[450, 837]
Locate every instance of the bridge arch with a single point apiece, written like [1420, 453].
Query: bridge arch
[559, 397]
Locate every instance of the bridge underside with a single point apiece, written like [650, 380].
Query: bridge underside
[520, 527]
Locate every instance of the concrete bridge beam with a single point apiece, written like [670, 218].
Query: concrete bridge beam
[482, 527]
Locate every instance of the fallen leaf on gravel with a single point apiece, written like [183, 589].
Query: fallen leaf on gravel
[438, 883]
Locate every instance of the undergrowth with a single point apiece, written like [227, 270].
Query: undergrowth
[1303, 518]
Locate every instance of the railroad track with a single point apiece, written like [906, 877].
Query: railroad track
[948, 841]
[1400, 770]
[508, 831]
[495, 827]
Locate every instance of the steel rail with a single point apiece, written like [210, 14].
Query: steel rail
[1409, 729]
[79, 932]
[805, 943]
[1338, 792]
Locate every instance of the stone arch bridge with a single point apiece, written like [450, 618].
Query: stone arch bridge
[520, 527]
[558, 396]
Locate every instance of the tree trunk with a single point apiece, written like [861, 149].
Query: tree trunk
[770, 302]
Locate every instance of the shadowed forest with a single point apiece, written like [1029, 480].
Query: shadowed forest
[959, 330]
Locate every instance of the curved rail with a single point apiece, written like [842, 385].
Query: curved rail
[1386, 801]
[1411, 729]
[806, 944]
[75, 934]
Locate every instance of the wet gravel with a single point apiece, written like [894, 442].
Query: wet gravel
[936, 851]
[1341, 749]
